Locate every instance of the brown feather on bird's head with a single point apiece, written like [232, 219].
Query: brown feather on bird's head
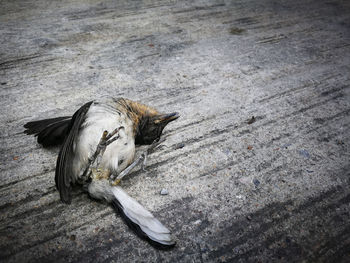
[148, 122]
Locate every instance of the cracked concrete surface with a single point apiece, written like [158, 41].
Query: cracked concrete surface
[273, 188]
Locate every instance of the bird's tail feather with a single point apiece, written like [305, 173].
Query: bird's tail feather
[141, 221]
[50, 132]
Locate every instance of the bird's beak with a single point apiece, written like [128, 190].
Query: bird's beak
[166, 118]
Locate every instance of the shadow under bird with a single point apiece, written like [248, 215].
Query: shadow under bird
[98, 149]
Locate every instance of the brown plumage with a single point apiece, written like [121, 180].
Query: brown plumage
[136, 111]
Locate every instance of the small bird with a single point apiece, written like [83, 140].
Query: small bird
[98, 143]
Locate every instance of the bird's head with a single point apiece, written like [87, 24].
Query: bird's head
[151, 127]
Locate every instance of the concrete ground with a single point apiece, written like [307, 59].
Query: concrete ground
[273, 188]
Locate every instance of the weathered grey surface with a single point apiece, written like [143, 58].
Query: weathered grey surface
[270, 191]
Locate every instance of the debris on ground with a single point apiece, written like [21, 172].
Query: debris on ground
[256, 182]
[251, 120]
[164, 192]
[304, 153]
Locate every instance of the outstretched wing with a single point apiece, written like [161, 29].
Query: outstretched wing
[64, 165]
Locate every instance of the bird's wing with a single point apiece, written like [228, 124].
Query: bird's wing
[64, 165]
[50, 132]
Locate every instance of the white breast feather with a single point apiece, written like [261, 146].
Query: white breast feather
[99, 119]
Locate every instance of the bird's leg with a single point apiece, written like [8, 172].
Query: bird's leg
[144, 161]
[116, 180]
[94, 161]
[150, 149]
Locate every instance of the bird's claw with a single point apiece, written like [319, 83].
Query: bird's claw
[100, 174]
[115, 182]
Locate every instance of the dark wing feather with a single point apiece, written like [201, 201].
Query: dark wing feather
[50, 132]
[64, 171]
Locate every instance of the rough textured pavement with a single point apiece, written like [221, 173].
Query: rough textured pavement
[273, 188]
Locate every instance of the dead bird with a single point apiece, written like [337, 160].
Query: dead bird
[98, 143]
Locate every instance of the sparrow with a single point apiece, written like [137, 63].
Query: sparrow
[98, 145]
